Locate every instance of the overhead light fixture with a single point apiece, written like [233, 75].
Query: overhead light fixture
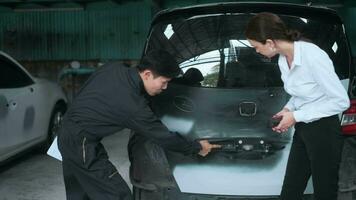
[168, 32]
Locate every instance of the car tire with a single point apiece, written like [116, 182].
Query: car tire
[54, 124]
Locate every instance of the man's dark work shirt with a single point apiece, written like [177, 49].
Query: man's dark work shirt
[112, 99]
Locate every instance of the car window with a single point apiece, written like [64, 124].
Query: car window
[334, 43]
[238, 65]
[11, 76]
[216, 48]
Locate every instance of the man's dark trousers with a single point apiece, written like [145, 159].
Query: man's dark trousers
[316, 150]
[88, 174]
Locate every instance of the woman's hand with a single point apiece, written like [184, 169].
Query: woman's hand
[279, 114]
[286, 122]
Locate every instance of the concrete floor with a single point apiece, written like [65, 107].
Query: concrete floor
[35, 176]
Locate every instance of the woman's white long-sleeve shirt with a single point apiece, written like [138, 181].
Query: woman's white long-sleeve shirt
[315, 89]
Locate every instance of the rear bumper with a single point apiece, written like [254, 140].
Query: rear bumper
[220, 173]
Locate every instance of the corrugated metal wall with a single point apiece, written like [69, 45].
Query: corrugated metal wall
[104, 34]
[114, 33]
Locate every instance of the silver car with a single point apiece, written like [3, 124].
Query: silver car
[31, 109]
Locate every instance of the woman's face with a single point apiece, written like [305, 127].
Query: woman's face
[268, 49]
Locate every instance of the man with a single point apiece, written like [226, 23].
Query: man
[112, 99]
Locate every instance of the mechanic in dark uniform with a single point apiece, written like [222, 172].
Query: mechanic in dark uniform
[112, 99]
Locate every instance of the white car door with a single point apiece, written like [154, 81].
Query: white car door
[17, 112]
[3, 114]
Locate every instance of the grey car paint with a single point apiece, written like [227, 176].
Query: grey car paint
[214, 114]
[217, 113]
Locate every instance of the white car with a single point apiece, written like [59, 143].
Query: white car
[31, 109]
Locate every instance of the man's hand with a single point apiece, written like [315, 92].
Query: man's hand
[207, 147]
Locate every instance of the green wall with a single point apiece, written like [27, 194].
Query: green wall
[100, 32]
[103, 31]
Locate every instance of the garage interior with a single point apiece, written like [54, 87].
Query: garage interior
[65, 41]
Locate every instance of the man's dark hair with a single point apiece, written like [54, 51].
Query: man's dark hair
[266, 25]
[161, 63]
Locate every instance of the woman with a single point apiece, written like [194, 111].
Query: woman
[317, 97]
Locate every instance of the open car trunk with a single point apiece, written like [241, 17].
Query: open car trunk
[229, 93]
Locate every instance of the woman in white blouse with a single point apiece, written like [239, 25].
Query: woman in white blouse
[317, 97]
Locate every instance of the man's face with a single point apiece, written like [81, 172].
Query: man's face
[154, 85]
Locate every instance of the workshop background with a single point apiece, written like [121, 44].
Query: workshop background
[50, 38]
[47, 35]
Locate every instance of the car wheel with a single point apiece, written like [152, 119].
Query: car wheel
[54, 124]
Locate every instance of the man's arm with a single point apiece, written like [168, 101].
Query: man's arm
[144, 122]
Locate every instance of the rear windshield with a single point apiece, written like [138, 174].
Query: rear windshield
[213, 52]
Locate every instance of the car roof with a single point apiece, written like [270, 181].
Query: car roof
[311, 12]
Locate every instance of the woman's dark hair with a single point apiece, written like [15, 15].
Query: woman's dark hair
[161, 63]
[266, 25]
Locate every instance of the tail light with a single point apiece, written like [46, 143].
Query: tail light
[348, 120]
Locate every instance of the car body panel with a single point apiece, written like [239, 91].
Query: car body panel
[235, 174]
[20, 117]
[26, 112]
[239, 177]
[213, 114]
[219, 113]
